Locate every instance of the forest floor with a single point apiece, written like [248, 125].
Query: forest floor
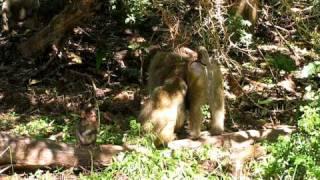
[52, 89]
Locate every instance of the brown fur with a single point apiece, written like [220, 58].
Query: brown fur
[164, 112]
[87, 129]
[176, 83]
[205, 83]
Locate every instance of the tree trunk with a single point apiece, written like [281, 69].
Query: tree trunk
[57, 28]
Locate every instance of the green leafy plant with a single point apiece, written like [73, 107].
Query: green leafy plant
[205, 109]
[114, 135]
[7, 121]
[240, 29]
[39, 127]
[311, 69]
[43, 127]
[298, 156]
[153, 163]
[110, 134]
[67, 132]
[135, 10]
[100, 58]
[281, 62]
[160, 164]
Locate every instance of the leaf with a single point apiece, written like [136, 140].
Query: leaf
[266, 101]
[281, 62]
[100, 57]
[312, 68]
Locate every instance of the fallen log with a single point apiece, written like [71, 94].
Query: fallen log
[241, 145]
[235, 139]
[28, 153]
[24, 152]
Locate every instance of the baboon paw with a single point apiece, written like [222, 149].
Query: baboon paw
[195, 135]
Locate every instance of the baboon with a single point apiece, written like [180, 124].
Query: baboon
[205, 85]
[15, 11]
[164, 113]
[179, 87]
[87, 129]
[248, 9]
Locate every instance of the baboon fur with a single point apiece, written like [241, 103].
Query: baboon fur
[179, 86]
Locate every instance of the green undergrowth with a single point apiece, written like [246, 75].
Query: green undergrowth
[152, 163]
[297, 156]
[163, 164]
[39, 127]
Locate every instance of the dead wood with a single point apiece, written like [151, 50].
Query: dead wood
[57, 28]
[28, 153]
[235, 139]
[241, 144]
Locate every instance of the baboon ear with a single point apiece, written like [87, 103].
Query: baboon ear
[203, 55]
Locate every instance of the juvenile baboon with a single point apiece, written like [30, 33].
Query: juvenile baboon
[15, 11]
[179, 85]
[164, 112]
[87, 129]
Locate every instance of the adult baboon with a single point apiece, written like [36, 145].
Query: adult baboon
[178, 85]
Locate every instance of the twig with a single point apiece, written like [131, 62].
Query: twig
[256, 104]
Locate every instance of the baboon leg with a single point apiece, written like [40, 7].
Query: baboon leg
[167, 133]
[248, 9]
[164, 112]
[217, 113]
[254, 12]
[196, 97]
[205, 86]
[241, 7]
[181, 117]
[216, 101]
